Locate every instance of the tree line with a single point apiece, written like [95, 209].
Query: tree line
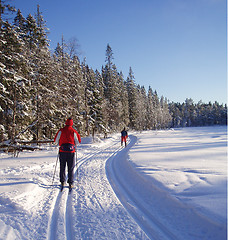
[39, 89]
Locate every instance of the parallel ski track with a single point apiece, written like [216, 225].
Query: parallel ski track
[61, 218]
[151, 226]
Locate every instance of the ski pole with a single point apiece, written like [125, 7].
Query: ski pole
[55, 169]
[76, 163]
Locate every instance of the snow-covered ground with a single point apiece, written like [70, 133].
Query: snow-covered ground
[164, 185]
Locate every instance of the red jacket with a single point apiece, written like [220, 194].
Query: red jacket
[67, 135]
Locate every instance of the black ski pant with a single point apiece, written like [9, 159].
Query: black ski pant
[67, 158]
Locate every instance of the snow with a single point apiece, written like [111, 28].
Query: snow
[168, 184]
[190, 164]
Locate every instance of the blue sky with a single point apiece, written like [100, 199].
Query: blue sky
[178, 47]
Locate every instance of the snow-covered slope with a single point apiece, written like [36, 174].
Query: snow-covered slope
[167, 185]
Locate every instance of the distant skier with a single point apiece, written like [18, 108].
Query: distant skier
[67, 139]
[124, 136]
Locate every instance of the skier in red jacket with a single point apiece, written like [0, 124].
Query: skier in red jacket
[67, 139]
[124, 136]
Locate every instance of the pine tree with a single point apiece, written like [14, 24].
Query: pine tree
[108, 74]
[141, 108]
[153, 110]
[166, 117]
[99, 104]
[94, 99]
[111, 90]
[20, 24]
[39, 62]
[13, 84]
[132, 99]
[42, 29]
[124, 105]
[77, 93]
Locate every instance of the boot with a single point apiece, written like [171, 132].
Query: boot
[62, 186]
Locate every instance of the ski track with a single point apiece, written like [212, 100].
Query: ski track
[153, 228]
[159, 214]
[60, 224]
[82, 214]
[96, 209]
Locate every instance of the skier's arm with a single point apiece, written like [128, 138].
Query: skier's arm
[57, 137]
[77, 138]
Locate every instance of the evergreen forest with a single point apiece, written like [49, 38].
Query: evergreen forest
[40, 89]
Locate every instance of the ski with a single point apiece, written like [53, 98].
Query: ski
[61, 187]
[70, 188]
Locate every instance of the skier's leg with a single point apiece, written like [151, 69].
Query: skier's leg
[62, 159]
[70, 166]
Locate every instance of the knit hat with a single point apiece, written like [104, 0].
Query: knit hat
[69, 122]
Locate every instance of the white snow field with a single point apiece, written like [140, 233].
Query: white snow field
[168, 184]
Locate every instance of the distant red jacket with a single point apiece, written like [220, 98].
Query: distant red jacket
[67, 135]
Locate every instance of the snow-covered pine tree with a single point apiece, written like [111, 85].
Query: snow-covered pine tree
[111, 90]
[200, 114]
[86, 95]
[116, 103]
[141, 108]
[62, 81]
[188, 112]
[150, 114]
[90, 100]
[175, 114]
[166, 117]
[19, 24]
[31, 49]
[77, 93]
[99, 103]
[5, 9]
[39, 60]
[13, 63]
[156, 111]
[132, 99]
[94, 102]
[124, 113]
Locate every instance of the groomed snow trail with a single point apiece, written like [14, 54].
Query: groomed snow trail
[91, 210]
[159, 214]
[99, 214]
[37, 210]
